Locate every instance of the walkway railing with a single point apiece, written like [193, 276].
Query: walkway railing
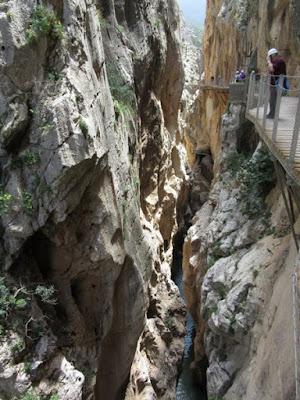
[281, 134]
[237, 90]
[258, 100]
[215, 82]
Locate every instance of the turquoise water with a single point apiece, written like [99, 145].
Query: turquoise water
[186, 388]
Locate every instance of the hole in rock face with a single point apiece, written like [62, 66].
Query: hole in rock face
[41, 250]
[76, 291]
[34, 262]
[247, 140]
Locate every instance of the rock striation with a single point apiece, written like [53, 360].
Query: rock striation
[238, 256]
[93, 172]
[231, 33]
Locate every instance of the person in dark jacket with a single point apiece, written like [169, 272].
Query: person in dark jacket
[276, 66]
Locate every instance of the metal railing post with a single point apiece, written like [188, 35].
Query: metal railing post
[250, 91]
[266, 100]
[277, 108]
[295, 134]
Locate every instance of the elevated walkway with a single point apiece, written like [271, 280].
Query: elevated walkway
[281, 144]
[281, 133]
[214, 84]
[237, 91]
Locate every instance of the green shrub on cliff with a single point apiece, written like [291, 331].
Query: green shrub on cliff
[83, 125]
[15, 304]
[9, 302]
[27, 203]
[5, 199]
[30, 396]
[43, 23]
[30, 158]
[235, 161]
[215, 397]
[255, 176]
[121, 91]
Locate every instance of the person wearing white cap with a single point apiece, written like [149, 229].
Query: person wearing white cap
[242, 75]
[276, 66]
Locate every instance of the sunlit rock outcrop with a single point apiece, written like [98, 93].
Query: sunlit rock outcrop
[238, 256]
[93, 170]
[238, 35]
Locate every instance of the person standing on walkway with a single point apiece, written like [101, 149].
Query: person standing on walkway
[276, 66]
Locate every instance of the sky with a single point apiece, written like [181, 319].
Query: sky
[194, 10]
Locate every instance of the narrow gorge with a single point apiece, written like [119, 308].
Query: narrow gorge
[122, 150]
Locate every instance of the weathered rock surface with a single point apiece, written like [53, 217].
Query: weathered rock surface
[203, 123]
[238, 254]
[232, 29]
[234, 264]
[156, 358]
[92, 190]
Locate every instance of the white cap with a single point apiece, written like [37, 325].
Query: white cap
[272, 51]
[242, 70]
[237, 72]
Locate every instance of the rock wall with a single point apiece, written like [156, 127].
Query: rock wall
[238, 257]
[232, 29]
[203, 122]
[238, 254]
[92, 173]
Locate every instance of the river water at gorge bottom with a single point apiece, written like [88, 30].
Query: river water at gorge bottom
[187, 389]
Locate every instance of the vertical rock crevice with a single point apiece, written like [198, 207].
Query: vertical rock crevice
[118, 346]
[95, 184]
[238, 251]
[235, 255]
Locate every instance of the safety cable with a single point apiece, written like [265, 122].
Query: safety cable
[281, 87]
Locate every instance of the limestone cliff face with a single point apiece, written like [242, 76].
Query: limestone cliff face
[92, 173]
[238, 35]
[238, 254]
[203, 121]
[237, 261]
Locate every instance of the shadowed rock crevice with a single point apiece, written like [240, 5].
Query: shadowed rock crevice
[201, 179]
[93, 209]
[119, 345]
